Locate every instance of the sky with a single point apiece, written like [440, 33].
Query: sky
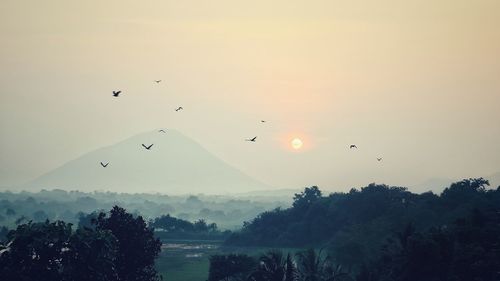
[414, 82]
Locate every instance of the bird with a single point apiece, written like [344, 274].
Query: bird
[179, 108]
[157, 81]
[353, 146]
[252, 139]
[116, 93]
[104, 165]
[379, 159]
[262, 121]
[161, 131]
[147, 147]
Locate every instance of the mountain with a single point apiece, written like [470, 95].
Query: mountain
[175, 164]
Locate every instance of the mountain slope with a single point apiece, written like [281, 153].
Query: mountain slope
[174, 165]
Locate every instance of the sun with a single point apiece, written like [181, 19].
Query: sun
[297, 143]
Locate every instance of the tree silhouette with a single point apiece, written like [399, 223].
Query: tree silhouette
[33, 251]
[307, 197]
[90, 255]
[272, 267]
[309, 265]
[137, 246]
[291, 273]
[119, 248]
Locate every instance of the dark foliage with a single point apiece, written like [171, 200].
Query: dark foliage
[174, 225]
[307, 265]
[91, 255]
[231, 267]
[137, 246]
[467, 250]
[34, 251]
[355, 224]
[169, 227]
[120, 248]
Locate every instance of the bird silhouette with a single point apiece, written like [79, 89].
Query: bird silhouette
[379, 159]
[353, 146]
[179, 108]
[252, 139]
[104, 165]
[147, 147]
[161, 131]
[157, 81]
[116, 93]
[262, 121]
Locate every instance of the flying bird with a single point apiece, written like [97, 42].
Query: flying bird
[262, 121]
[161, 131]
[147, 147]
[179, 108]
[353, 146]
[116, 93]
[252, 139]
[157, 81]
[379, 159]
[104, 165]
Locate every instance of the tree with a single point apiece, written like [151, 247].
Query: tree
[137, 246]
[313, 267]
[90, 255]
[468, 250]
[33, 251]
[272, 267]
[307, 197]
[85, 220]
[465, 190]
[119, 248]
[171, 224]
[291, 273]
[309, 265]
[200, 226]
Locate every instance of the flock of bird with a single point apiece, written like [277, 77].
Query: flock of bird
[116, 94]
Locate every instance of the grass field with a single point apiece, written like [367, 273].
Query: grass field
[187, 260]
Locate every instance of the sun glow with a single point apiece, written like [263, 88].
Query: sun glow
[297, 143]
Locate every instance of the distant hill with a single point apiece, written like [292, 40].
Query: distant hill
[174, 165]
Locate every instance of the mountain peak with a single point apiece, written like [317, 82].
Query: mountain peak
[174, 164]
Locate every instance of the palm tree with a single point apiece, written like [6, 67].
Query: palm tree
[312, 267]
[309, 265]
[291, 273]
[332, 272]
[272, 267]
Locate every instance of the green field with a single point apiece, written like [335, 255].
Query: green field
[187, 260]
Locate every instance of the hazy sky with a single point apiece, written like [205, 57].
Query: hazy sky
[414, 82]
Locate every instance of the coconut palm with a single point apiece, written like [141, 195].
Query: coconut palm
[313, 267]
[291, 273]
[271, 267]
[309, 265]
